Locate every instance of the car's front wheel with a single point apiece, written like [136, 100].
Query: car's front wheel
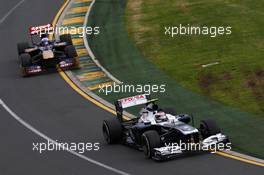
[208, 128]
[150, 140]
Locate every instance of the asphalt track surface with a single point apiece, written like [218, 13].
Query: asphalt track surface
[55, 109]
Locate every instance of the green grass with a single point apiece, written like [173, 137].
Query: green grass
[117, 53]
[240, 54]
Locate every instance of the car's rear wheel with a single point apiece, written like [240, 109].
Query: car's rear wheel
[21, 47]
[70, 51]
[150, 140]
[25, 59]
[112, 130]
[66, 38]
[24, 72]
[208, 128]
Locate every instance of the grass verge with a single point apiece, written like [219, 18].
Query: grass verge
[117, 53]
[238, 79]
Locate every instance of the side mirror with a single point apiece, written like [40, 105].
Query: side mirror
[185, 118]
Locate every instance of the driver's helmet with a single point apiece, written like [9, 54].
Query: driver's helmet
[44, 40]
[161, 115]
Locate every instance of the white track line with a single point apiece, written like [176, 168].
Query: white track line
[28, 126]
[10, 11]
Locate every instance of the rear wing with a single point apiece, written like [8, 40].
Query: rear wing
[41, 29]
[121, 104]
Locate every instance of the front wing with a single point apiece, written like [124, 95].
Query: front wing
[173, 150]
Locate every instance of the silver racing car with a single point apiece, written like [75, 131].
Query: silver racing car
[160, 133]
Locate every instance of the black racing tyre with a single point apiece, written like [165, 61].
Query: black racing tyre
[70, 51]
[170, 111]
[24, 72]
[66, 38]
[150, 140]
[112, 130]
[21, 47]
[209, 127]
[25, 59]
